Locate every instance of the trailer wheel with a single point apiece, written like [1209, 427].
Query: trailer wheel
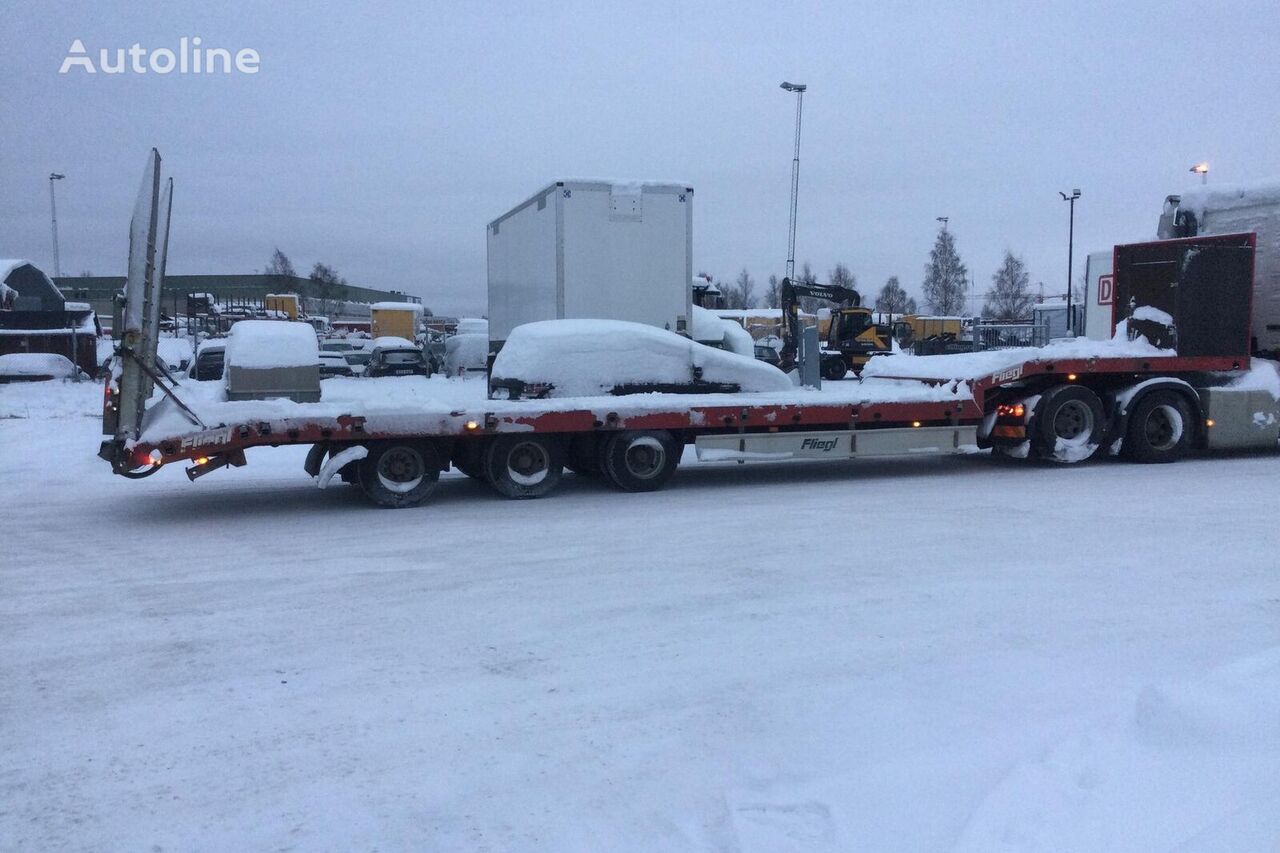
[640, 461]
[399, 474]
[583, 458]
[1159, 428]
[834, 368]
[524, 466]
[1070, 425]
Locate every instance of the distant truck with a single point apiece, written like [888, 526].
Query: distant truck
[579, 249]
[1255, 208]
[396, 320]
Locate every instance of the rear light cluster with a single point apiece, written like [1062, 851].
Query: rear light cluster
[1011, 410]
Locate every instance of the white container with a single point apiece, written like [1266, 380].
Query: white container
[593, 249]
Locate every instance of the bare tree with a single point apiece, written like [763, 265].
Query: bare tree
[331, 288]
[773, 293]
[1010, 295]
[945, 276]
[742, 293]
[893, 299]
[280, 265]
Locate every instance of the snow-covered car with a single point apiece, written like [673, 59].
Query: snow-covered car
[334, 364]
[175, 353]
[580, 358]
[37, 367]
[357, 359]
[466, 353]
[336, 345]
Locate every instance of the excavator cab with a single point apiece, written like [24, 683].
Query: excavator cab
[856, 336]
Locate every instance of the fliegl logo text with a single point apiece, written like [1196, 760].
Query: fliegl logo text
[826, 445]
[188, 56]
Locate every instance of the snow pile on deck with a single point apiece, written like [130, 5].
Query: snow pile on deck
[980, 364]
[583, 358]
[262, 344]
[707, 327]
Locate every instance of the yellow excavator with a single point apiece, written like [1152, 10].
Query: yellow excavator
[852, 339]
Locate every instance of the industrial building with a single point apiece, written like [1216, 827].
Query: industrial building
[249, 291]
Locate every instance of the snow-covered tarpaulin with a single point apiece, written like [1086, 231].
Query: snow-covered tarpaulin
[272, 343]
[583, 358]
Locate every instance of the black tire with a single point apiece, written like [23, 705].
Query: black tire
[639, 460]
[583, 458]
[1070, 425]
[834, 368]
[1159, 429]
[522, 466]
[468, 457]
[399, 474]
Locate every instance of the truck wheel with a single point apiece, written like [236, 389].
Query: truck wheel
[1159, 428]
[524, 466]
[584, 455]
[639, 461]
[834, 368]
[399, 474]
[1070, 425]
[468, 457]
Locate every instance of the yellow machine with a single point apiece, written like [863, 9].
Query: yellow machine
[396, 319]
[915, 330]
[285, 303]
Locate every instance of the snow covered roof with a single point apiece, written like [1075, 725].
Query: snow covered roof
[397, 306]
[8, 265]
[1254, 194]
[262, 344]
[393, 342]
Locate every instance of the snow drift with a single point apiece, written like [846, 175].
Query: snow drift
[582, 358]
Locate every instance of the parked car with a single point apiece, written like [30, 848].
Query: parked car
[336, 345]
[334, 364]
[37, 367]
[358, 359]
[396, 357]
[209, 360]
[768, 354]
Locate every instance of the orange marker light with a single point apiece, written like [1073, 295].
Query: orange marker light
[1071, 377]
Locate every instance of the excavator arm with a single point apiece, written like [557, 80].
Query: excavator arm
[790, 295]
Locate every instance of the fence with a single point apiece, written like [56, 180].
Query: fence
[1009, 335]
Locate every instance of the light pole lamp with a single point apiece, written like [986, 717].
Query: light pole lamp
[799, 89]
[944, 220]
[1201, 169]
[53, 218]
[1071, 241]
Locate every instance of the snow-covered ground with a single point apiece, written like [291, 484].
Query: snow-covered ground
[921, 654]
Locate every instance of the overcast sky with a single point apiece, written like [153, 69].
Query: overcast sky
[381, 139]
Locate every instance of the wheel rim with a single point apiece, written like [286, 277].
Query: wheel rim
[528, 463]
[645, 457]
[1073, 422]
[401, 470]
[1163, 427]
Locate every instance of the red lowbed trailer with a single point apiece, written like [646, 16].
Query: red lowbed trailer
[1064, 403]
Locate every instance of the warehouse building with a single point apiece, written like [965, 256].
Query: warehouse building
[337, 302]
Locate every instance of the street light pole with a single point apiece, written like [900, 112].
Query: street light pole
[53, 214]
[1202, 169]
[1071, 241]
[799, 89]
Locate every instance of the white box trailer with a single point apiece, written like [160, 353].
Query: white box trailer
[593, 249]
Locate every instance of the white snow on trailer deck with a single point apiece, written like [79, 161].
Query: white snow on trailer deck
[922, 654]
